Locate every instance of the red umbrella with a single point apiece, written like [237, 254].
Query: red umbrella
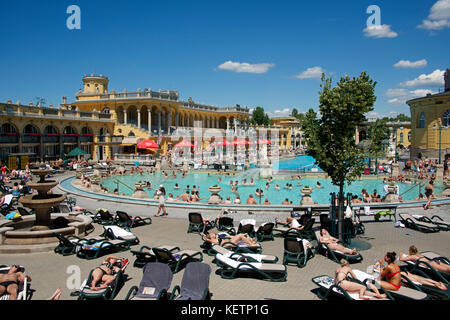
[147, 144]
[224, 142]
[184, 144]
[264, 141]
[240, 142]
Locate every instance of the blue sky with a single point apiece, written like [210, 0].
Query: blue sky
[198, 47]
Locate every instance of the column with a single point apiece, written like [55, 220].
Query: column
[150, 121]
[159, 121]
[228, 123]
[139, 118]
[124, 116]
[217, 123]
[176, 119]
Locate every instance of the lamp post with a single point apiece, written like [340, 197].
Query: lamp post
[440, 127]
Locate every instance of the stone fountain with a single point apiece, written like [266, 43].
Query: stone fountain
[43, 201]
[306, 196]
[35, 233]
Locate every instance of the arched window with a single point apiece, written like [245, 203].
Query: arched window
[446, 118]
[401, 137]
[69, 131]
[8, 129]
[106, 110]
[86, 131]
[421, 122]
[50, 131]
[409, 136]
[30, 130]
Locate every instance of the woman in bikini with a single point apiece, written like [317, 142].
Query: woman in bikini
[242, 238]
[340, 279]
[333, 244]
[414, 255]
[107, 271]
[390, 277]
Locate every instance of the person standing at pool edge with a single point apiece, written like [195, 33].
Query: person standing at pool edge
[161, 193]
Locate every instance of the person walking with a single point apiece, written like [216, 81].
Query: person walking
[161, 193]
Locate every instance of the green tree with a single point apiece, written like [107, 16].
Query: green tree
[259, 117]
[331, 138]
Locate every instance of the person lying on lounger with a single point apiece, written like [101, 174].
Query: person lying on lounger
[340, 279]
[333, 244]
[242, 238]
[9, 283]
[424, 281]
[414, 255]
[291, 223]
[106, 273]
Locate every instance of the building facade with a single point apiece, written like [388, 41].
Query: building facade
[104, 123]
[430, 122]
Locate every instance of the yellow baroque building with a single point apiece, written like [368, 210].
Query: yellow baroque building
[104, 123]
[430, 122]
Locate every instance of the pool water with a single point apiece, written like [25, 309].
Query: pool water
[203, 181]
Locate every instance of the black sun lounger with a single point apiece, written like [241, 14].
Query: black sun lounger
[156, 280]
[195, 283]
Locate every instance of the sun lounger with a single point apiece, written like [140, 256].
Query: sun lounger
[145, 255]
[238, 248]
[404, 293]
[177, 259]
[335, 255]
[247, 226]
[249, 257]
[24, 291]
[265, 232]
[413, 223]
[296, 252]
[104, 217]
[156, 280]
[117, 233]
[423, 268]
[124, 220]
[93, 250]
[231, 269]
[198, 224]
[69, 245]
[432, 291]
[108, 293]
[327, 288]
[224, 223]
[436, 220]
[195, 283]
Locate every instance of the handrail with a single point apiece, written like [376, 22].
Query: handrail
[417, 184]
[117, 180]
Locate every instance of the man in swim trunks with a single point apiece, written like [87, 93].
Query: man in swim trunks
[9, 283]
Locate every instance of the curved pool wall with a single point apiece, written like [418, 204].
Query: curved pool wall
[66, 186]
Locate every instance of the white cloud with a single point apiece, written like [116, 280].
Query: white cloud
[311, 73]
[381, 31]
[400, 96]
[434, 79]
[410, 64]
[439, 17]
[246, 67]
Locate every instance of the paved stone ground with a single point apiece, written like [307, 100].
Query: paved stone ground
[49, 270]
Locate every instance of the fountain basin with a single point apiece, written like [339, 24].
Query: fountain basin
[19, 233]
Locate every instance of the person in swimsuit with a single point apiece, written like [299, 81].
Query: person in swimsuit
[9, 283]
[429, 194]
[291, 223]
[414, 255]
[340, 279]
[242, 238]
[105, 274]
[333, 244]
[390, 277]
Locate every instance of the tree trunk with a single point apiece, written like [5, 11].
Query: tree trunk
[341, 211]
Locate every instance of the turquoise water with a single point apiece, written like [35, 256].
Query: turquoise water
[303, 162]
[202, 181]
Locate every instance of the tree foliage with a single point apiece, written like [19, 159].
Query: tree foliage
[331, 137]
[259, 117]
